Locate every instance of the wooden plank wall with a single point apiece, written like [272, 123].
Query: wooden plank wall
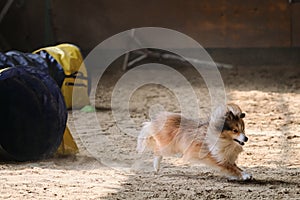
[295, 25]
[218, 23]
[23, 25]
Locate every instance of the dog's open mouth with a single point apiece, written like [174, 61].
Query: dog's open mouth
[241, 143]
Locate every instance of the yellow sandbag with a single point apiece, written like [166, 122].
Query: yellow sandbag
[68, 145]
[70, 58]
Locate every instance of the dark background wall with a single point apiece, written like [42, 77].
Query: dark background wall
[30, 24]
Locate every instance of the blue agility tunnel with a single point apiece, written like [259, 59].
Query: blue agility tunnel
[33, 112]
[43, 61]
[35, 91]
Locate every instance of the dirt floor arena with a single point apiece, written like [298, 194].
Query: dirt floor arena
[270, 95]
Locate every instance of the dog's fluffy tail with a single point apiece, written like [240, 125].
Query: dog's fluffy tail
[143, 137]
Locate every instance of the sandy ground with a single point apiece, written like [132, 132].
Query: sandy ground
[108, 167]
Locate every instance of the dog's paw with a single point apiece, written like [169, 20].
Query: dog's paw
[246, 176]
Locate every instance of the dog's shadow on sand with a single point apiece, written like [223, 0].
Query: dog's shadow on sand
[253, 181]
[263, 182]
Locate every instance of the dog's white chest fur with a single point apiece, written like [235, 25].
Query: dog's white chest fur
[225, 152]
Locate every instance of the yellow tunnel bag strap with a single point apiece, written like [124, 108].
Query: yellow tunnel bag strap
[68, 92]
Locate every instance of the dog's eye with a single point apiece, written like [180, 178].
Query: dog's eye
[236, 131]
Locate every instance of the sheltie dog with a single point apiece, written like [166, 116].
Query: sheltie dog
[216, 143]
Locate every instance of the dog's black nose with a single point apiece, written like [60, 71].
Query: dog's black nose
[246, 139]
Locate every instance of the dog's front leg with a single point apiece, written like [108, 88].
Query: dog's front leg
[245, 175]
[233, 172]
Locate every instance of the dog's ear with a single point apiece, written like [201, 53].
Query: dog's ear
[229, 115]
[242, 115]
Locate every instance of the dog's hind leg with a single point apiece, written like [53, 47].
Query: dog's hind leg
[156, 163]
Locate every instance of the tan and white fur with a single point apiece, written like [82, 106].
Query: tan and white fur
[216, 143]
